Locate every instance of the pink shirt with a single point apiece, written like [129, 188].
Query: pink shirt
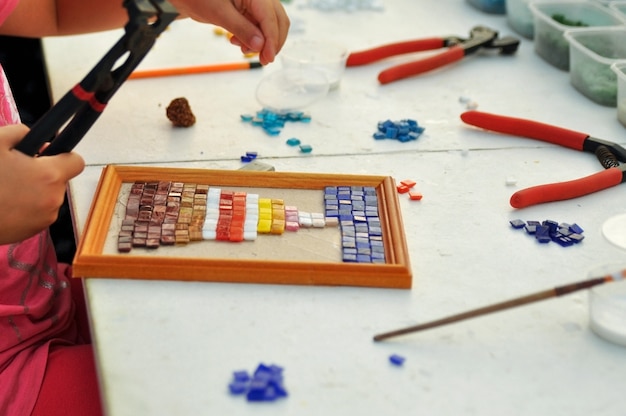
[36, 308]
[8, 111]
[6, 7]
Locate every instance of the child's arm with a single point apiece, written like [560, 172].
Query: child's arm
[257, 25]
[31, 189]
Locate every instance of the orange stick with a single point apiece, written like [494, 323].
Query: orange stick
[200, 69]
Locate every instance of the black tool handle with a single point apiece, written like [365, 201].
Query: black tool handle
[44, 129]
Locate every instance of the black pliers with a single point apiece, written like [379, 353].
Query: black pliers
[481, 37]
[609, 154]
[84, 103]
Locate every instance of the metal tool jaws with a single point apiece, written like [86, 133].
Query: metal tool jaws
[482, 37]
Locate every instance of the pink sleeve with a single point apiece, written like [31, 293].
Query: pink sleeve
[6, 7]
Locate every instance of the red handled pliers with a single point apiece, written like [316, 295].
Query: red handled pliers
[609, 154]
[84, 103]
[481, 37]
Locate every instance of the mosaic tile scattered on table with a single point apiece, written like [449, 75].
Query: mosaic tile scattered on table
[403, 130]
[272, 122]
[266, 384]
[546, 231]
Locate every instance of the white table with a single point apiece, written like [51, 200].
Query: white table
[167, 347]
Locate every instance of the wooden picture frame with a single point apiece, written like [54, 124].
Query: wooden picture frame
[92, 261]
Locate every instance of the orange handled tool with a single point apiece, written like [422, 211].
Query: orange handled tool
[457, 48]
[609, 154]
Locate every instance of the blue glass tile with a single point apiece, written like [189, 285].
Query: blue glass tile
[542, 234]
[553, 225]
[375, 231]
[376, 244]
[349, 258]
[256, 390]
[575, 228]
[396, 359]
[576, 238]
[517, 223]
[348, 244]
[238, 387]
[363, 258]
[564, 231]
[362, 242]
[241, 375]
[530, 229]
[348, 232]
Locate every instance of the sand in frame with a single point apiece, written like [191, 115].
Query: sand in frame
[94, 258]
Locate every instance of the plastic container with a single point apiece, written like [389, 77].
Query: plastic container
[607, 306]
[592, 52]
[619, 68]
[327, 57]
[549, 40]
[520, 18]
[619, 8]
[489, 6]
[291, 89]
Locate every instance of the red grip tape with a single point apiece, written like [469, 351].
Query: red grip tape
[567, 190]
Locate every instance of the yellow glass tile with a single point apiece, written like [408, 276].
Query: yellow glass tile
[264, 226]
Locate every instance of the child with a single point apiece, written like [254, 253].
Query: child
[46, 362]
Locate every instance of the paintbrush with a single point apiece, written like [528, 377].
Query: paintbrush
[524, 300]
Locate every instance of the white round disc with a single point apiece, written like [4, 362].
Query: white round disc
[614, 229]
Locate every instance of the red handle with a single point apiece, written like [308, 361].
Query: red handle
[526, 128]
[385, 51]
[453, 54]
[567, 190]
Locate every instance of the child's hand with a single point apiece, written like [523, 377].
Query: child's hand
[257, 25]
[31, 189]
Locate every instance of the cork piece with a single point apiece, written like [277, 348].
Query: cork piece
[180, 114]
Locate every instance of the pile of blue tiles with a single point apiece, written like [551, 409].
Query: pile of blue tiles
[272, 122]
[546, 231]
[404, 130]
[266, 384]
[356, 208]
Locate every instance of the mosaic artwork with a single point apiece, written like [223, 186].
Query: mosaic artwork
[241, 226]
[177, 213]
